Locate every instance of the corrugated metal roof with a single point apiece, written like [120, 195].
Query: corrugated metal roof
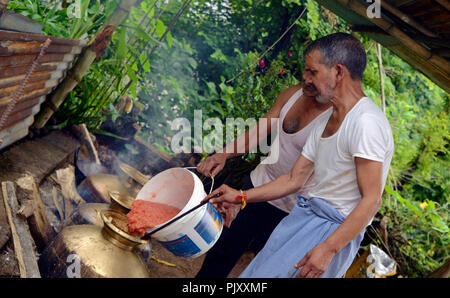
[17, 52]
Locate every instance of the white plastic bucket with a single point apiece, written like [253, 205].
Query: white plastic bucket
[195, 233]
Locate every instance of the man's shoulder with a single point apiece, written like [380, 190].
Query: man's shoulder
[370, 117]
[284, 97]
[369, 111]
[287, 93]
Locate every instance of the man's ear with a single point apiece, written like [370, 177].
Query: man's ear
[340, 72]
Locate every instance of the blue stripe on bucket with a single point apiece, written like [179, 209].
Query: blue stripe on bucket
[210, 224]
[182, 247]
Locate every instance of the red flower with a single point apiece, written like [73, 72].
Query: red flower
[282, 71]
[262, 64]
[290, 54]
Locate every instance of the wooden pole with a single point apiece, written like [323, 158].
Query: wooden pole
[22, 239]
[75, 75]
[381, 73]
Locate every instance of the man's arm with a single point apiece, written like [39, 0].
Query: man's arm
[369, 177]
[280, 187]
[251, 138]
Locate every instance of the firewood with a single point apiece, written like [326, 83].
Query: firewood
[22, 239]
[27, 209]
[27, 189]
[57, 203]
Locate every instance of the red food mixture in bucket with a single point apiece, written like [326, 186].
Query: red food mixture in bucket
[147, 215]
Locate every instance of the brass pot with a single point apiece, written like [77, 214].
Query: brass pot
[90, 214]
[96, 188]
[87, 214]
[94, 251]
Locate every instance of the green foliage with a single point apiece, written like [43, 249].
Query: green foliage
[423, 229]
[71, 19]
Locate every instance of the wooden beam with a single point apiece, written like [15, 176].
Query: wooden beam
[368, 29]
[82, 133]
[402, 37]
[444, 3]
[442, 52]
[407, 19]
[22, 239]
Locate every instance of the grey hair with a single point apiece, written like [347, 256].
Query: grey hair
[341, 48]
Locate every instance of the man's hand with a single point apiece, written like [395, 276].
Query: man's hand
[316, 261]
[212, 165]
[228, 212]
[223, 194]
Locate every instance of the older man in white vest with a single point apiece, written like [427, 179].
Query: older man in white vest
[349, 149]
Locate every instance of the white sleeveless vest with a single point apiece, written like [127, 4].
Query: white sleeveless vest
[290, 149]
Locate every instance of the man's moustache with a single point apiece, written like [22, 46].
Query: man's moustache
[311, 87]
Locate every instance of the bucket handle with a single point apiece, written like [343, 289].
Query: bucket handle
[210, 176]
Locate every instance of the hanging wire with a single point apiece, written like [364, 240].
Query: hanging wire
[100, 87]
[174, 20]
[169, 27]
[271, 47]
[110, 88]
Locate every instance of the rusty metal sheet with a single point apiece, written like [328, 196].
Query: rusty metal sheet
[17, 60]
[28, 95]
[21, 115]
[24, 104]
[27, 88]
[15, 132]
[13, 129]
[17, 52]
[8, 48]
[11, 71]
[17, 80]
[20, 36]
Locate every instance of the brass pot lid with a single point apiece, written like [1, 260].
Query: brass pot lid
[117, 223]
[122, 199]
[102, 184]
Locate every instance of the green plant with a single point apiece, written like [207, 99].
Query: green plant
[71, 19]
[420, 230]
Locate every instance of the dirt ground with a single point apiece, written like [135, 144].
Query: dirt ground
[185, 267]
